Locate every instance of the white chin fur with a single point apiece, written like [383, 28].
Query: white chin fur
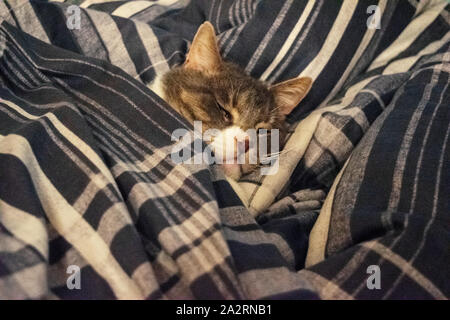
[224, 145]
[157, 86]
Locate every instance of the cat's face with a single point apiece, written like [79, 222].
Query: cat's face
[223, 97]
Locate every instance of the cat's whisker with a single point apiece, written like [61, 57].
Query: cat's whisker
[276, 109]
[280, 152]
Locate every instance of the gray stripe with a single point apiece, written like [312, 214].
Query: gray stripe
[416, 182]
[298, 43]
[354, 175]
[269, 35]
[406, 143]
[237, 32]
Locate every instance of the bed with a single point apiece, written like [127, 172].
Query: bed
[88, 187]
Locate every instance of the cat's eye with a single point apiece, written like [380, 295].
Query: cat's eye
[226, 115]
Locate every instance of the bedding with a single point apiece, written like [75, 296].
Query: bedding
[86, 177]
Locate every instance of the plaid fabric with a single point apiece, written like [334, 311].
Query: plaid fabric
[391, 208]
[322, 142]
[141, 50]
[87, 179]
[97, 187]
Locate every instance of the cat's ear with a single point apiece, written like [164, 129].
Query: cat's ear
[204, 53]
[289, 93]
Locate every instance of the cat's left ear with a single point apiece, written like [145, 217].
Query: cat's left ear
[289, 93]
[204, 53]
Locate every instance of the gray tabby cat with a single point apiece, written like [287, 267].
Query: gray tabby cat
[224, 97]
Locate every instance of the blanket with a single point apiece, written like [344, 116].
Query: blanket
[87, 182]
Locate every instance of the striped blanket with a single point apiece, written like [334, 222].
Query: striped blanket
[93, 207]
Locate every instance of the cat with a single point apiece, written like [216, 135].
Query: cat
[223, 96]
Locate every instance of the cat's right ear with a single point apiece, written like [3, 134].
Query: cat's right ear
[204, 53]
[288, 94]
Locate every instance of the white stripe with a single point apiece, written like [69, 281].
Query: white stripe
[70, 223]
[144, 191]
[112, 38]
[77, 142]
[351, 92]
[237, 31]
[25, 227]
[130, 8]
[211, 10]
[198, 260]
[88, 3]
[376, 96]
[150, 160]
[127, 161]
[191, 229]
[165, 64]
[405, 64]
[5, 14]
[107, 112]
[419, 5]
[416, 183]
[289, 41]
[236, 12]
[152, 47]
[28, 20]
[28, 283]
[406, 268]
[98, 181]
[357, 55]
[334, 37]
[400, 163]
[412, 31]
[327, 289]
[24, 69]
[169, 111]
[273, 29]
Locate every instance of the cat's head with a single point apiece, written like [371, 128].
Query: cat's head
[222, 96]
